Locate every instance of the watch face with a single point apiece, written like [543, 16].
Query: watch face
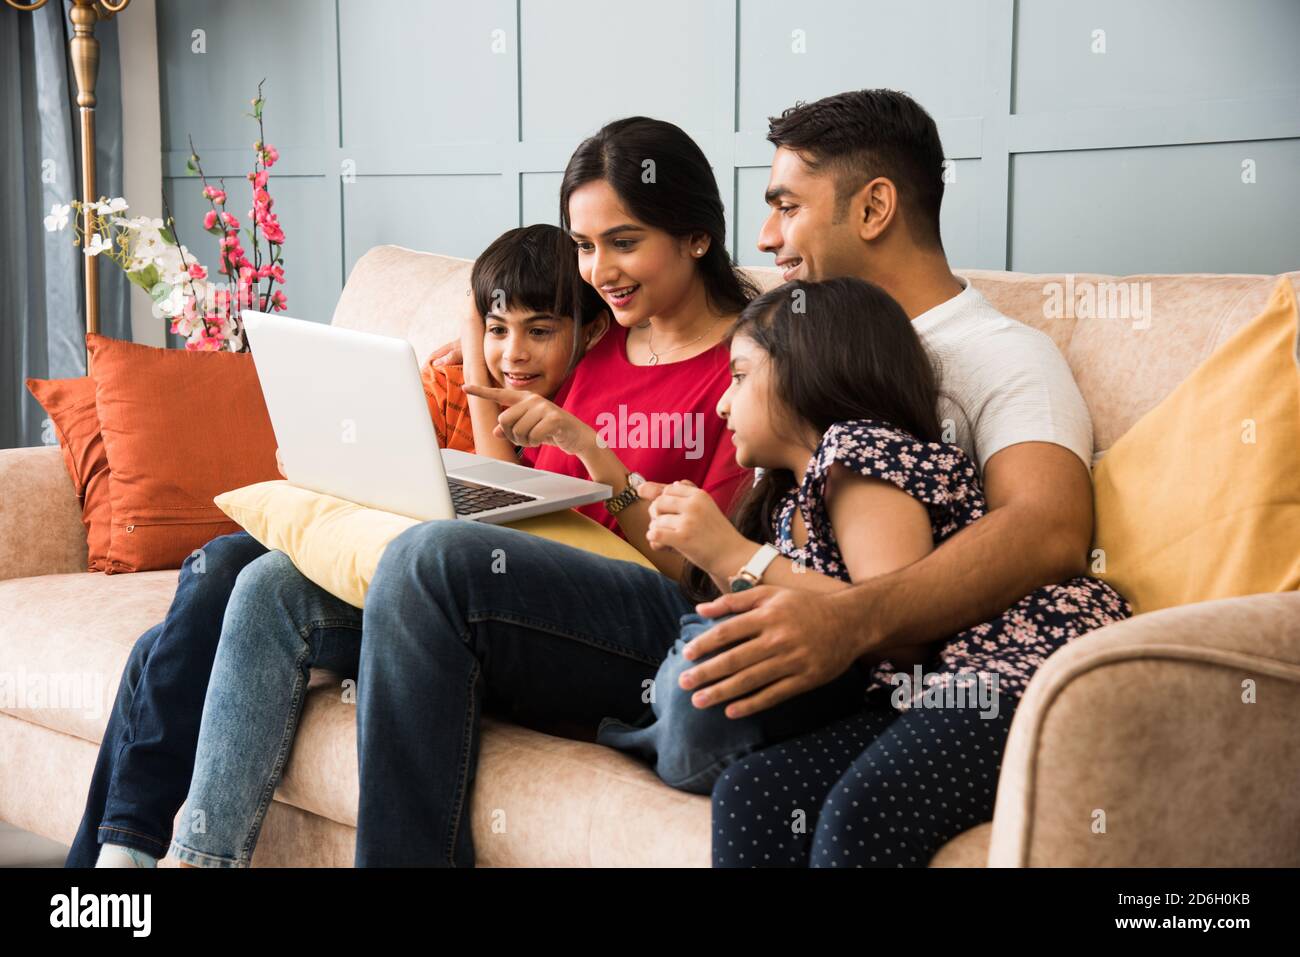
[635, 479]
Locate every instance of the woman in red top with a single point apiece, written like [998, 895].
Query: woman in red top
[640, 410]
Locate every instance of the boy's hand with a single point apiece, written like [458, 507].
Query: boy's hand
[528, 419]
[686, 519]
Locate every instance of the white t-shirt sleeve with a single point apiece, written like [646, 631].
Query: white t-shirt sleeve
[1015, 386]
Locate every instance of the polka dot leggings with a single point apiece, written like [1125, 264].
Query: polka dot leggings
[882, 788]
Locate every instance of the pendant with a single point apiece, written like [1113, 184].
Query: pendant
[654, 360]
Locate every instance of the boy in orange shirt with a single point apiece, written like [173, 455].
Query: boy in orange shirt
[531, 341]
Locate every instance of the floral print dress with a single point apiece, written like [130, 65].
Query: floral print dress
[942, 477]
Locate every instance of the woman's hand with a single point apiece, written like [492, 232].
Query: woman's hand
[279, 464]
[448, 354]
[472, 330]
[528, 419]
[686, 519]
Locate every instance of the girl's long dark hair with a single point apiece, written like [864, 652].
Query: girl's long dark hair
[838, 350]
[664, 180]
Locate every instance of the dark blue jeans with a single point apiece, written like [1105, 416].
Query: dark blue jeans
[462, 616]
[147, 755]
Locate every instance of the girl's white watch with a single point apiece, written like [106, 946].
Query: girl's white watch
[752, 573]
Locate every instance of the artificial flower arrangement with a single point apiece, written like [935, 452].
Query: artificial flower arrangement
[204, 310]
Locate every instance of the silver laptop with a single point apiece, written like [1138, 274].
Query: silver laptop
[351, 419]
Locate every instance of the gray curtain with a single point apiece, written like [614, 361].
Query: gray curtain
[42, 317]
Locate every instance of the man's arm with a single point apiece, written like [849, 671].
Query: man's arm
[1036, 532]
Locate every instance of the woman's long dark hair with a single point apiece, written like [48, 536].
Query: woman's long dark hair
[664, 180]
[838, 350]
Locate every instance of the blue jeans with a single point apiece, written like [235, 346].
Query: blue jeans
[278, 626]
[459, 616]
[690, 747]
[144, 764]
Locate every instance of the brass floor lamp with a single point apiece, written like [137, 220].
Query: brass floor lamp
[84, 49]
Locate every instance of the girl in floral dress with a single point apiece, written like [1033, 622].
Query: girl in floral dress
[834, 396]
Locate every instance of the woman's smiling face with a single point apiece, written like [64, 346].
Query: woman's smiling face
[638, 270]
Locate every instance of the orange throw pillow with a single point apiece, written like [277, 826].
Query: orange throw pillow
[70, 404]
[179, 427]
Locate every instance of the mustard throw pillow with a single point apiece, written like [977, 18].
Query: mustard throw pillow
[1200, 499]
[337, 544]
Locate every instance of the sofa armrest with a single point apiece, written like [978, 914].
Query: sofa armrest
[40, 515]
[1171, 739]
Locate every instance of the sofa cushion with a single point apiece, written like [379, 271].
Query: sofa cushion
[178, 428]
[70, 404]
[338, 544]
[64, 640]
[1199, 500]
[1129, 340]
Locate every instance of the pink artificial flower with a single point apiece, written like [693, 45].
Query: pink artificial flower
[259, 179]
[279, 301]
[277, 273]
[209, 219]
[214, 194]
[197, 271]
[269, 155]
[231, 221]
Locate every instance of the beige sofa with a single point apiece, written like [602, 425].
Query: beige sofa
[1140, 720]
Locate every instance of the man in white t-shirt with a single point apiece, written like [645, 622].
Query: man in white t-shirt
[855, 190]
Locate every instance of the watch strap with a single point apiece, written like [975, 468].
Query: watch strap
[754, 569]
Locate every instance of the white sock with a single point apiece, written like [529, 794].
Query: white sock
[116, 855]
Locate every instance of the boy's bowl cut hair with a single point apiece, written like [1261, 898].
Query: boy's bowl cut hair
[531, 268]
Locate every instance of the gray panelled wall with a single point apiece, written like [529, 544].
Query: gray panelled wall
[1115, 136]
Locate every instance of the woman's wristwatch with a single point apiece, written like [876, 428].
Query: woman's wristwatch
[752, 573]
[626, 497]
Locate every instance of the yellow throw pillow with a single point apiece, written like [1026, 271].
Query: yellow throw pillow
[337, 544]
[1200, 499]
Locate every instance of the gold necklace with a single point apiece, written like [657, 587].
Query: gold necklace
[650, 336]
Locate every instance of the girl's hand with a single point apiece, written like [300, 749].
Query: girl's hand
[686, 519]
[528, 419]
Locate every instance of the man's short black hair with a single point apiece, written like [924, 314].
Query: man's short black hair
[863, 134]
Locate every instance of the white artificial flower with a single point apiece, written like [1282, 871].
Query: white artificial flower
[58, 217]
[112, 207]
[137, 223]
[98, 244]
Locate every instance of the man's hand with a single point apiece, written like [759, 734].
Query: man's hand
[781, 643]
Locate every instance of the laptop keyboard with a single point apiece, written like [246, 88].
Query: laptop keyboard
[470, 498]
